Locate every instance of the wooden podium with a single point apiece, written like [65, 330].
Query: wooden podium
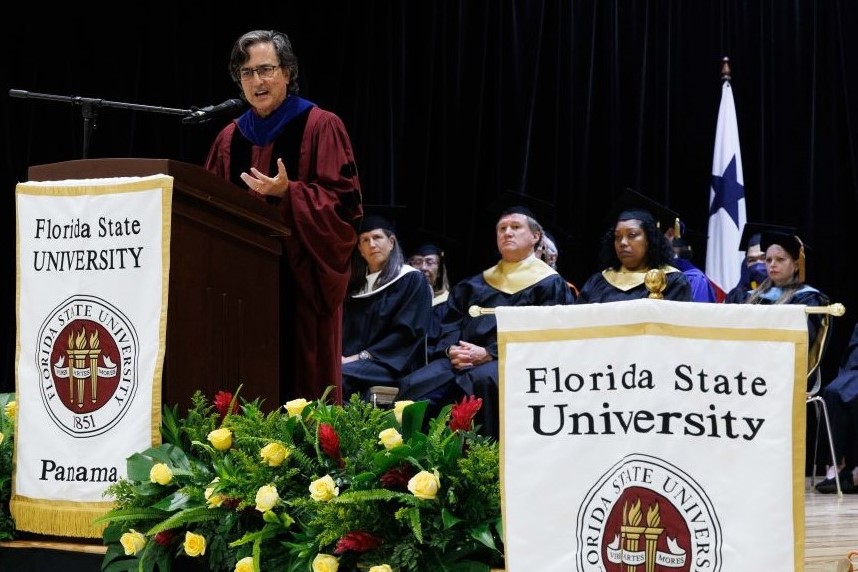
[223, 308]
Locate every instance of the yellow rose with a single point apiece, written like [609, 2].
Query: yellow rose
[195, 544]
[11, 409]
[161, 474]
[266, 498]
[381, 568]
[213, 500]
[221, 439]
[325, 563]
[324, 489]
[398, 407]
[133, 542]
[295, 407]
[424, 485]
[390, 438]
[273, 454]
[245, 565]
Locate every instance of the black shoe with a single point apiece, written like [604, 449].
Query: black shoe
[826, 486]
[847, 485]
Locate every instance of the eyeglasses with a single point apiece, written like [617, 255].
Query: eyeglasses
[420, 261]
[264, 72]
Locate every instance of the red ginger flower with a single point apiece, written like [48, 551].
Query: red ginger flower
[463, 413]
[164, 537]
[396, 478]
[330, 442]
[222, 399]
[357, 541]
[230, 503]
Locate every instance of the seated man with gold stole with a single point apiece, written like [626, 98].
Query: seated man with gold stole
[464, 362]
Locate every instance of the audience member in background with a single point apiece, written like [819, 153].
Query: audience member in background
[429, 259]
[701, 287]
[632, 246]
[753, 270]
[465, 359]
[548, 252]
[387, 312]
[784, 283]
[290, 152]
[841, 400]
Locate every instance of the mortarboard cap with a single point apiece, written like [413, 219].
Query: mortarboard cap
[753, 230]
[789, 242]
[380, 216]
[632, 204]
[544, 212]
[426, 249]
[519, 209]
[422, 242]
[510, 202]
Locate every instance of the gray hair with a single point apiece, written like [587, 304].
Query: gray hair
[285, 56]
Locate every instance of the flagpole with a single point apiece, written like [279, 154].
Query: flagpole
[724, 256]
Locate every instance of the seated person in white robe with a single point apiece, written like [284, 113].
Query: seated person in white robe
[386, 313]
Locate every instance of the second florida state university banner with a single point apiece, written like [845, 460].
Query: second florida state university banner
[653, 435]
[93, 272]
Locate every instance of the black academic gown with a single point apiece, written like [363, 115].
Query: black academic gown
[597, 288]
[439, 306]
[807, 295]
[841, 400]
[391, 324]
[438, 382]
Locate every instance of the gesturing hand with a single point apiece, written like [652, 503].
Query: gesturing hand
[260, 183]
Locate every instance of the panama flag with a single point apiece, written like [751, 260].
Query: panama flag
[727, 216]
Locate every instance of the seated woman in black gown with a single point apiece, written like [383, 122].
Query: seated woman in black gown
[633, 246]
[386, 313]
[784, 284]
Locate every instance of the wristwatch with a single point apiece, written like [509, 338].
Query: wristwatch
[364, 355]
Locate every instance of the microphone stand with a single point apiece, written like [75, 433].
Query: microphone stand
[89, 109]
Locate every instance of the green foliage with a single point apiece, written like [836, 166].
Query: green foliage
[7, 430]
[213, 493]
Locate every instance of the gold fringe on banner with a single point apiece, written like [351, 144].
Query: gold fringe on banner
[58, 518]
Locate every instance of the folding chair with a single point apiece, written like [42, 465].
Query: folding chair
[814, 376]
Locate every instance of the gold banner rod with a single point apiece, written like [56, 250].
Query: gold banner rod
[836, 309]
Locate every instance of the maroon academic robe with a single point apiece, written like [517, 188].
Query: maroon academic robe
[319, 207]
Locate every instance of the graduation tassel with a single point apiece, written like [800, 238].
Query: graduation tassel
[801, 261]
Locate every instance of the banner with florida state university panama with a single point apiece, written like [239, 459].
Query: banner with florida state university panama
[93, 268]
[653, 435]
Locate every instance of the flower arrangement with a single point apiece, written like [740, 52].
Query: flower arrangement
[8, 411]
[310, 486]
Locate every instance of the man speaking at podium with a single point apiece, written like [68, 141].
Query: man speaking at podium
[289, 152]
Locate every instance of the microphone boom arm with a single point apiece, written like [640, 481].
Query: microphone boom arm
[90, 106]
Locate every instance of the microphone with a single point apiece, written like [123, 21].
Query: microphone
[197, 116]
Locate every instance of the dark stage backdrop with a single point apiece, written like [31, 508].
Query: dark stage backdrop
[451, 103]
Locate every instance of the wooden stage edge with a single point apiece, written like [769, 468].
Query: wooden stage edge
[52, 545]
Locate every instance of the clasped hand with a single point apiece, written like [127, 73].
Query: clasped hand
[274, 186]
[464, 355]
